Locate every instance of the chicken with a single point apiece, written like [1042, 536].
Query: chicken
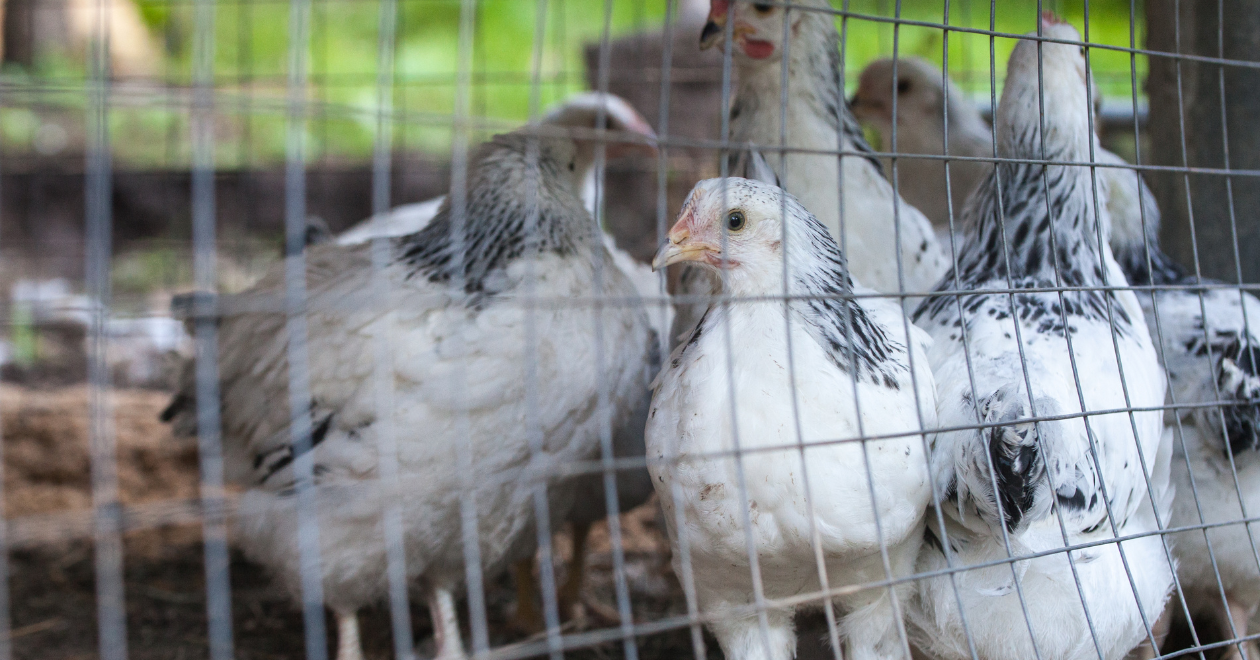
[794, 389]
[921, 130]
[580, 111]
[1020, 487]
[493, 393]
[1208, 337]
[922, 103]
[890, 245]
[1209, 341]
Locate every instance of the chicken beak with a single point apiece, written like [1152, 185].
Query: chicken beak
[681, 248]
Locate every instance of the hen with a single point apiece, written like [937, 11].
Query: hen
[1039, 476]
[502, 376]
[1208, 336]
[923, 106]
[890, 245]
[787, 433]
[582, 112]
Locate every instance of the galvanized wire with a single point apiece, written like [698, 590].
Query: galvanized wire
[204, 100]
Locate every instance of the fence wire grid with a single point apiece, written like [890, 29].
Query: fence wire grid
[358, 329]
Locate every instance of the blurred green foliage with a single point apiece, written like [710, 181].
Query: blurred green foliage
[513, 48]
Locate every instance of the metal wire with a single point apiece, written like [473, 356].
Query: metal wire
[209, 428]
[220, 105]
[110, 599]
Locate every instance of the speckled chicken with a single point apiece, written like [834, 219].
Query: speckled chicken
[492, 392]
[891, 247]
[582, 111]
[790, 430]
[1025, 485]
[1208, 336]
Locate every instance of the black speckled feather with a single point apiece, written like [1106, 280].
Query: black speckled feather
[1039, 253]
[516, 205]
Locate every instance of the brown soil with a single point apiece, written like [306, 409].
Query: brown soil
[52, 579]
[47, 462]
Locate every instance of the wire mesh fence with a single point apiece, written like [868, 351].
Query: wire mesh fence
[636, 328]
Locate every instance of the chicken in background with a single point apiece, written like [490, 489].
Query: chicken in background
[921, 107]
[1021, 487]
[794, 388]
[922, 103]
[47, 342]
[580, 111]
[891, 246]
[482, 382]
[1208, 336]
[1217, 360]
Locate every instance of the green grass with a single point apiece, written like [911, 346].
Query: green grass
[970, 59]
[252, 46]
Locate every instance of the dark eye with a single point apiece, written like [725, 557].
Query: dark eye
[1082, 51]
[735, 221]
[763, 7]
[903, 86]
[572, 166]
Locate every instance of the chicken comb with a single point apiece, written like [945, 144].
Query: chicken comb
[1050, 18]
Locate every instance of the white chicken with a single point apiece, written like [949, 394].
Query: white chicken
[1039, 476]
[790, 430]
[1209, 341]
[579, 111]
[891, 247]
[497, 367]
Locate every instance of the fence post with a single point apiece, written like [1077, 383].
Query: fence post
[1218, 204]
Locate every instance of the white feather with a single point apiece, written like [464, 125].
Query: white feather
[1002, 360]
[496, 390]
[760, 379]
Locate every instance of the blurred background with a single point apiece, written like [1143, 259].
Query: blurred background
[1158, 111]
[43, 102]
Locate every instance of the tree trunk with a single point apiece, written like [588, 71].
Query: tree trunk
[1207, 214]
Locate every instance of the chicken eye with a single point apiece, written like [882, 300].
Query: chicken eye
[572, 166]
[763, 7]
[903, 86]
[735, 221]
[1082, 51]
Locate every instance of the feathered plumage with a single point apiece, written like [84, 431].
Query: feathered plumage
[923, 104]
[793, 385]
[478, 370]
[580, 111]
[1207, 336]
[1209, 341]
[1002, 360]
[891, 247]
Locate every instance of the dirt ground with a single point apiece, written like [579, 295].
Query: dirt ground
[47, 493]
[52, 580]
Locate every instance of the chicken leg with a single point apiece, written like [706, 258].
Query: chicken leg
[528, 618]
[348, 644]
[570, 596]
[1233, 620]
[445, 624]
